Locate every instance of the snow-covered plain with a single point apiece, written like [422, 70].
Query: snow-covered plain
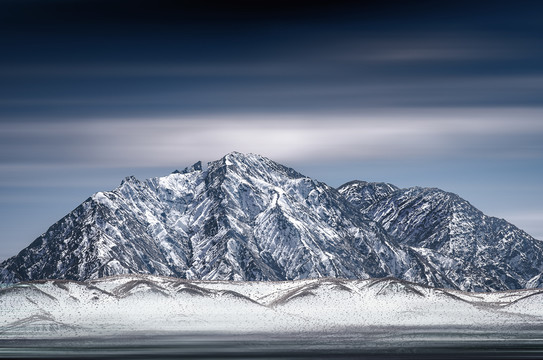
[144, 304]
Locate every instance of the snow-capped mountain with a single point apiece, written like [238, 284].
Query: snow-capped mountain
[471, 250]
[246, 217]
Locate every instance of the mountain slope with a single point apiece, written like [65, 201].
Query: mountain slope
[246, 217]
[472, 250]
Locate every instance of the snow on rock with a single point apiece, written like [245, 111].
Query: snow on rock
[246, 217]
[466, 249]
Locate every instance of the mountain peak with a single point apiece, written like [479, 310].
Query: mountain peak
[252, 165]
[131, 179]
[249, 218]
[197, 166]
[236, 157]
[362, 193]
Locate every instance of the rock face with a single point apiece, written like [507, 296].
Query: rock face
[471, 250]
[246, 217]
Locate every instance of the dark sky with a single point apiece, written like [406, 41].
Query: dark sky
[433, 93]
[86, 59]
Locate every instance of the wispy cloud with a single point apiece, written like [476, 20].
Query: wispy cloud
[148, 70]
[293, 93]
[428, 47]
[407, 133]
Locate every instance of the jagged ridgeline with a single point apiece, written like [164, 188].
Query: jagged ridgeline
[247, 217]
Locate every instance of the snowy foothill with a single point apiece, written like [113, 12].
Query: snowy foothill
[136, 304]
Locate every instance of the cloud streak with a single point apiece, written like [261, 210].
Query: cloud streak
[284, 95]
[148, 70]
[407, 134]
[431, 47]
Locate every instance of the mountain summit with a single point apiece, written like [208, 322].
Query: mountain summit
[247, 217]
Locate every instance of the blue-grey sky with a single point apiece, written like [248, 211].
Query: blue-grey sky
[446, 94]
